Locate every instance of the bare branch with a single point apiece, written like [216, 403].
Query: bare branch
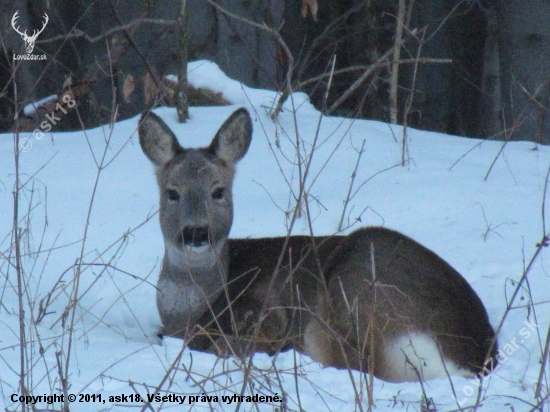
[282, 43]
[75, 34]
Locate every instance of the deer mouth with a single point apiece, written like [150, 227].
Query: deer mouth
[194, 239]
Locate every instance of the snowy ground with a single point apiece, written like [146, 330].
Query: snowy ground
[487, 228]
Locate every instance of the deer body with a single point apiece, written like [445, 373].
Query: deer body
[374, 300]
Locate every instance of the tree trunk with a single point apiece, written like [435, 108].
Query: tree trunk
[182, 102]
[524, 49]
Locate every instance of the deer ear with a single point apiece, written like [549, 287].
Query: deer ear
[233, 139]
[157, 140]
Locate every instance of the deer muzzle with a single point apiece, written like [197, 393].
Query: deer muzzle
[194, 239]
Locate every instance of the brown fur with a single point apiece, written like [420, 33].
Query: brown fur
[373, 300]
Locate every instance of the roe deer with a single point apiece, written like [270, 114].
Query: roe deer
[374, 300]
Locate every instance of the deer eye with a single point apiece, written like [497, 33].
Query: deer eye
[172, 194]
[218, 193]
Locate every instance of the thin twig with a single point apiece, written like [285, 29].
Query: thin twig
[315, 79]
[18, 264]
[75, 34]
[408, 105]
[394, 78]
[278, 37]
[360, 80]
[353, 176]
[546, 352]
[182, 103]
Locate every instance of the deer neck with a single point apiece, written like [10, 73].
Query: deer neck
[190, 282]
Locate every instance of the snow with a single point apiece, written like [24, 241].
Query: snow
[71, 214]
[31, 108]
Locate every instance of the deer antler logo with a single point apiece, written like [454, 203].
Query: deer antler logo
[29, 40]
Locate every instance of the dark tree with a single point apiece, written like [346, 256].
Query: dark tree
[113, 56]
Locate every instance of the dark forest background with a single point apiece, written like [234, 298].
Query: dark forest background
[471, 67]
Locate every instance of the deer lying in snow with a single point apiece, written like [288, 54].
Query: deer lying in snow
[374, 300]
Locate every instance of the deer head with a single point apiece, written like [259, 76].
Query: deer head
[29, 40]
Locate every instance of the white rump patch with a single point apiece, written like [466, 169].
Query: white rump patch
[414, 355]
